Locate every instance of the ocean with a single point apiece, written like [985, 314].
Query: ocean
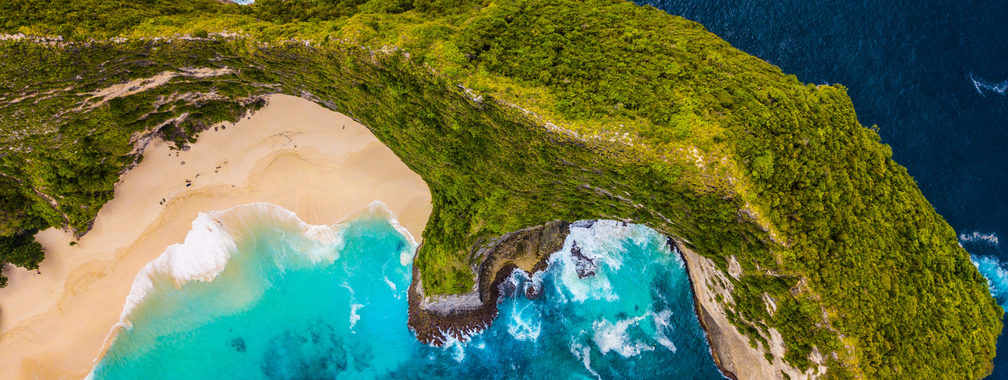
[255, 293]
[932, 75]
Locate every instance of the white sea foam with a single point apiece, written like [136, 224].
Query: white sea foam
[573, 288]
[390, 284]
[600, 239]
[380, 208]
[602, 242]
[456, 346]
[524, 319]
[997, 276]
[583, 352]
[354, 317]
[535, 280]
[525, 323]
[661, 320]
[977, 237]
[201, 257]
[983, 86]
[610, 336]
[513, 280]
[214, 239]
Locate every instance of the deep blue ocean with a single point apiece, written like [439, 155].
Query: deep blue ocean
[932, 74]
[292, 301]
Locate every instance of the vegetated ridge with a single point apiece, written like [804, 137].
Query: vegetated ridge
[518, 114]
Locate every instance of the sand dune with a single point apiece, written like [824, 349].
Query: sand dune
[320, 164]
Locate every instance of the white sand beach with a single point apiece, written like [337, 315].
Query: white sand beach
[293, 153]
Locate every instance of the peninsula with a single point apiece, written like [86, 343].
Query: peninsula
[811, 252]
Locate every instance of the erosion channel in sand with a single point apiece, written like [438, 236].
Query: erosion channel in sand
[320, 164]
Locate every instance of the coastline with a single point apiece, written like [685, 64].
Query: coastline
[731, 350]
[299, 156]
[700, 307]
[438, 320]
[320, 164]
[434, 320]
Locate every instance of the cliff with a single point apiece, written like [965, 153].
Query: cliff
[437, 318]
[518, 114]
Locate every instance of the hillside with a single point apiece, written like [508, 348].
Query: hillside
[518, 114]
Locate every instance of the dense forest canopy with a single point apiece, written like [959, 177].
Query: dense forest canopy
[539, 111]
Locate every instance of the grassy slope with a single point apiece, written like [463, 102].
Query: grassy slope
[654, 120]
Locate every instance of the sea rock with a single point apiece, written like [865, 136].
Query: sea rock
[533, 290]
[584, 265]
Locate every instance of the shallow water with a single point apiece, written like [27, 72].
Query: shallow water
[287, 305]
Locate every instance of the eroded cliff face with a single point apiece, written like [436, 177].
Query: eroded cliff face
[732, 351]
[436, 319]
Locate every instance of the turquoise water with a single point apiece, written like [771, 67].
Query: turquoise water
[333, 305]
[997, 277]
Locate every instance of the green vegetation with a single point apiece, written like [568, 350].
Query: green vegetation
[539, 111]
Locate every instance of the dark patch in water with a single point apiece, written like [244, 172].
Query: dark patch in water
[238, 344]
[362, 359]
[313, 353]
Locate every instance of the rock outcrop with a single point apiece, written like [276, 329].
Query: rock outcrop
[436, 319]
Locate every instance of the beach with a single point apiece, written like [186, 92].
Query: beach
[320, 164]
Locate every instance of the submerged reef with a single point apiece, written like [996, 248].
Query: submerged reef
[821, 251]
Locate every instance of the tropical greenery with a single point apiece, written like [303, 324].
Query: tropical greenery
[536, 111]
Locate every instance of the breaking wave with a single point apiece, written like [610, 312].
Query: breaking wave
[983, 87]
[977, 237]
[256, 293]
[996, 274]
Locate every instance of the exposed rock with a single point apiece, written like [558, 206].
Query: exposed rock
[435, 319]
[731, 350]
[771, 305]
[533, 290]
[584, 265]
[119, 90]
[734, 269]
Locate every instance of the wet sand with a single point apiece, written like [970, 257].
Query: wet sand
[293, 153]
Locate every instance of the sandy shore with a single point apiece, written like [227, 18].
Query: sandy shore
[320, 164]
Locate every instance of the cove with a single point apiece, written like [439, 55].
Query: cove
[255, 293]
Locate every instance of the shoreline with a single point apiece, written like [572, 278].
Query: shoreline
[700, 309]
[297, 155]
[436, 319]
[731, 350]
[320, 164]
[219, 232]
